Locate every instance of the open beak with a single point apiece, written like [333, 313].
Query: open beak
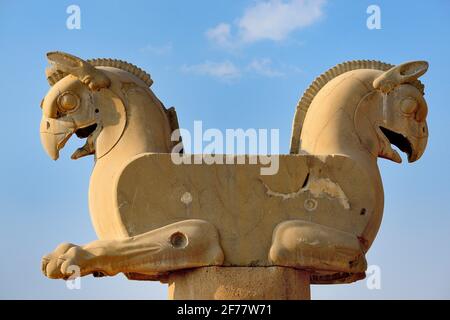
[418, 146]
[54, 135]
[413, 146]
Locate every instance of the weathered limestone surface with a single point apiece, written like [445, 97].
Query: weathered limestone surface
[240, 283]
[244, 206]
[248, 234]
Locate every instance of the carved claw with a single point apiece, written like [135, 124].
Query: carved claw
[51, 263]
[59, 264]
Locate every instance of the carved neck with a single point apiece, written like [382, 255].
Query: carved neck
[147, 128]
[343, 120]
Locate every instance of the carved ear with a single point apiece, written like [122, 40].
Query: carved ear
[403, 73]
[79, 68]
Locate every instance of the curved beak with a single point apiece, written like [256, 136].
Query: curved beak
[418, 142]
[54, 135]
[418, 146]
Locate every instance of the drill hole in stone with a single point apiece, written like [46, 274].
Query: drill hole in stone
[363, 211]
[178, 240]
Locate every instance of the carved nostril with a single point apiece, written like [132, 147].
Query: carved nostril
[48, 125]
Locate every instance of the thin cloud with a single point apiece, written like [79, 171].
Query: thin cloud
[264, 67]
[227, 70]
[221, 34]
[224, 70]
[158, 50]
[267, 20]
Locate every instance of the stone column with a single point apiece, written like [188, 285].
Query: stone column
[233, 283]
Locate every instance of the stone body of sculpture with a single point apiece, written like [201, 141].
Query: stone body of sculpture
[320, 213]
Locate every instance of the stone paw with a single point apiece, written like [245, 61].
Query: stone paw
[61, 263]
[307, 245]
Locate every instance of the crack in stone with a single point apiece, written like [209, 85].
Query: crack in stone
[318, 188]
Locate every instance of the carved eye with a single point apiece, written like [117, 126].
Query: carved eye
[68, 102]
[408, 105]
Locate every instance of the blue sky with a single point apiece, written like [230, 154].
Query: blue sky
[231, 64]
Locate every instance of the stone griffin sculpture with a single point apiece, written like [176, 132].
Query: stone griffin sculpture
[320, 213]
